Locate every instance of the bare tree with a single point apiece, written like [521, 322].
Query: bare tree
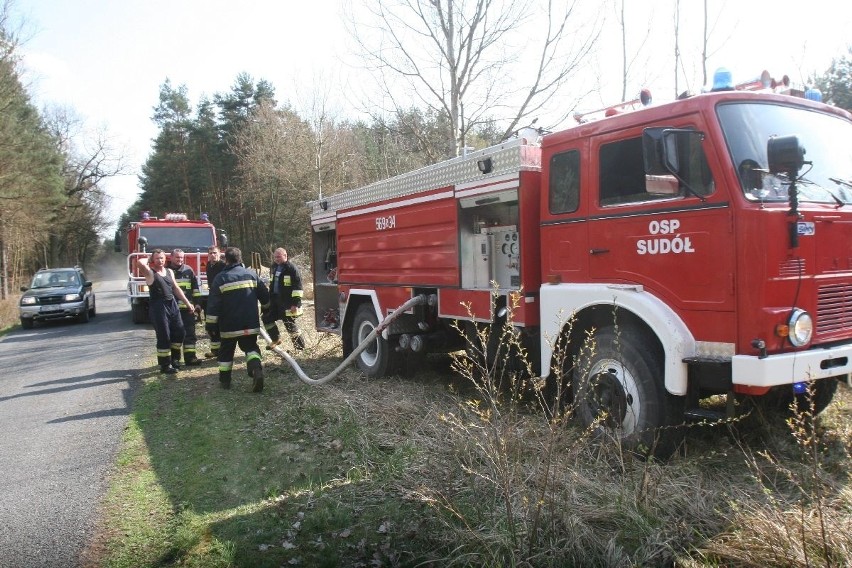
[276, 162]
[473, 60]
[629, 57]
[89, 158]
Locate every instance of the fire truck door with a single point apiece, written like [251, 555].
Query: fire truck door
[648, 230]
[564, 212]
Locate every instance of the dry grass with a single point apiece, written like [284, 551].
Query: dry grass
[9, 312]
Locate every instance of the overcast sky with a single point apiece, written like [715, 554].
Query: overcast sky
[108, 58]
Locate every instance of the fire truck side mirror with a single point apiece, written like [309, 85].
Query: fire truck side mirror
[654, 152]
[118, 241]
[223, 239]
[662, 147]
[143, 244]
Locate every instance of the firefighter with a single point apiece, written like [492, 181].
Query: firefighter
[214, 266]
[232, 312]
[163, 309]
[285, 285]
[185, 279]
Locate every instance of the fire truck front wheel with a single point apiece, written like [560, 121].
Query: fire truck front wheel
[376, 360]
[619, 391]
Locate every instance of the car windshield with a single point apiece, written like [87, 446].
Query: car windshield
[55, 278]
[188, 239]
[826, 178]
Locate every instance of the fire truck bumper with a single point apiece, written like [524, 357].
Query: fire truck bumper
[788, 368]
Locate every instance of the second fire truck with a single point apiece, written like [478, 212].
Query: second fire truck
[173, 230]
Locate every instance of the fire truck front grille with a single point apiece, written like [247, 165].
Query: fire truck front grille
[834, 308]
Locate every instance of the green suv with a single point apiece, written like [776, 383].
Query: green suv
[57, 293]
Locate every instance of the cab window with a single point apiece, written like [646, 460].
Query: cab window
[564, 186]
[623, 179]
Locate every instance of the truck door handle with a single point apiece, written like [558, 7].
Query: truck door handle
[598, 251]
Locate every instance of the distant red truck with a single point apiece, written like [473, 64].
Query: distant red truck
[174, 230]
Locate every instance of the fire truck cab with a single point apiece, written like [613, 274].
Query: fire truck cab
[173, 231]
[704, 245]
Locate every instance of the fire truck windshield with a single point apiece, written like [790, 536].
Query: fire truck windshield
[825, 137]
[189, 239]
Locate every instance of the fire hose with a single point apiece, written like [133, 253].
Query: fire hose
[415, 301]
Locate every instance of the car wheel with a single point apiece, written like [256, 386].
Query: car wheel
[93, 311]
[27, 323]
[84, 315]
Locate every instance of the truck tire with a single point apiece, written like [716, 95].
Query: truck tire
[378, 359]
[619, 391]
[140, 313]
[780, 399]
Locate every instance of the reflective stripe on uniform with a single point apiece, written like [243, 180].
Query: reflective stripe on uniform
[239, 333]
[238, 285]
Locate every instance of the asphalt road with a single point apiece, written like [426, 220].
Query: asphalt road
[65, 395]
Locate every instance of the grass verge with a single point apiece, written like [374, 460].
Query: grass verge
[428, 471]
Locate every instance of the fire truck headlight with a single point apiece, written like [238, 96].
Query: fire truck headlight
[801, 327]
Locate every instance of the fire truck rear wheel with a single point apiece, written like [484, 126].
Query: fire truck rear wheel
[378, 359]
[619, 391]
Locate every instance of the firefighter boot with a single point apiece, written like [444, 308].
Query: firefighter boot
[166, 366]
[176, 358]
[255, 371]
[298, 342]
[190, 359]
[225, 379]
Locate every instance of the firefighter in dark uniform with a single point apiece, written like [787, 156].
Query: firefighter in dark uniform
[285, 285]
[185, 279]
[214, 266]
[163, 308]
[232, 311]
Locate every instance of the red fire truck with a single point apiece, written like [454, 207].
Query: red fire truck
[696, 242]
[174, 230]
